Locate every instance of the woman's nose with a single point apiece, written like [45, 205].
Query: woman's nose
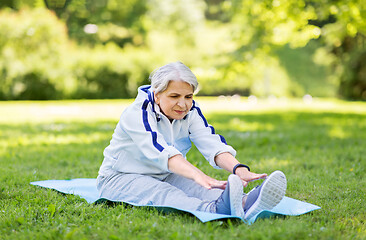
[180, 103]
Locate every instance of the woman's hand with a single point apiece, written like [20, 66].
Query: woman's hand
[247, 176]
[209, 182]
[227, 161]
[179, 165]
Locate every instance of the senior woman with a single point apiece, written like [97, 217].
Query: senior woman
[145, 162]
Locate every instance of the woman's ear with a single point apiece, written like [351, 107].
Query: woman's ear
[156, 97]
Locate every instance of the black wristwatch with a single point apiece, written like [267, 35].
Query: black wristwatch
[240, 165]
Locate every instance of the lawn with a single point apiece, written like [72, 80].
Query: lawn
[319, 145]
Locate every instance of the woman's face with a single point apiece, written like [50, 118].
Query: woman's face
[176, 101]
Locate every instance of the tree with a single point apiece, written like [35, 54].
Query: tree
[262, 25]
[32, 46]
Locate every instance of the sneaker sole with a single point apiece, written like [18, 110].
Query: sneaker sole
[236, 196]
[272, 192]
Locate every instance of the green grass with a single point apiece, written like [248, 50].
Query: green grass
[321, 147]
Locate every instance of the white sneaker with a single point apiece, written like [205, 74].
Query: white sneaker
[265, 196]
[231, 200]
[236, 196]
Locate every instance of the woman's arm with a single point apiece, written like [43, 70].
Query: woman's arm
[179, 165]
[227, 161]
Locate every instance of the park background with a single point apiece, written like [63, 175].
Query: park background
[283, 81]
[70, 49]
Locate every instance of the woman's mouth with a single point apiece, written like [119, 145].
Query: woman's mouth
[179, 112]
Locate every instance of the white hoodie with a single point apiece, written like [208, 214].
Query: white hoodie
[144, 138]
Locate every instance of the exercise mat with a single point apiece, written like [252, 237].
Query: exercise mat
[86, 189]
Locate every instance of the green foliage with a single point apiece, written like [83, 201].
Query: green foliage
[176, 15]
[31, 47]
[39, 62]
[109, 72]
[263, 25]
[240, 46]
[353, 81]
[344, 38]
[320, 147]
[277, 22]
[117, 21]
[305, 74]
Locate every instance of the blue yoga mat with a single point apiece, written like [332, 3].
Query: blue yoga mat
[86, 188]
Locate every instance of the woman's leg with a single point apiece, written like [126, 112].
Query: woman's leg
[193, 189]
[145, 190]
[228, 201]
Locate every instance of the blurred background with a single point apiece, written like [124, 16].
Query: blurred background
[84, 49]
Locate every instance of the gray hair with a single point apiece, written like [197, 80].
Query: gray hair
[175, 71]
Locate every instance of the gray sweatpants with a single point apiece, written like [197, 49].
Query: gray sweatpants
[173, 191]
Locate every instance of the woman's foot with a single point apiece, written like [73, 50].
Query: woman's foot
[230, 201]
[265, 196]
